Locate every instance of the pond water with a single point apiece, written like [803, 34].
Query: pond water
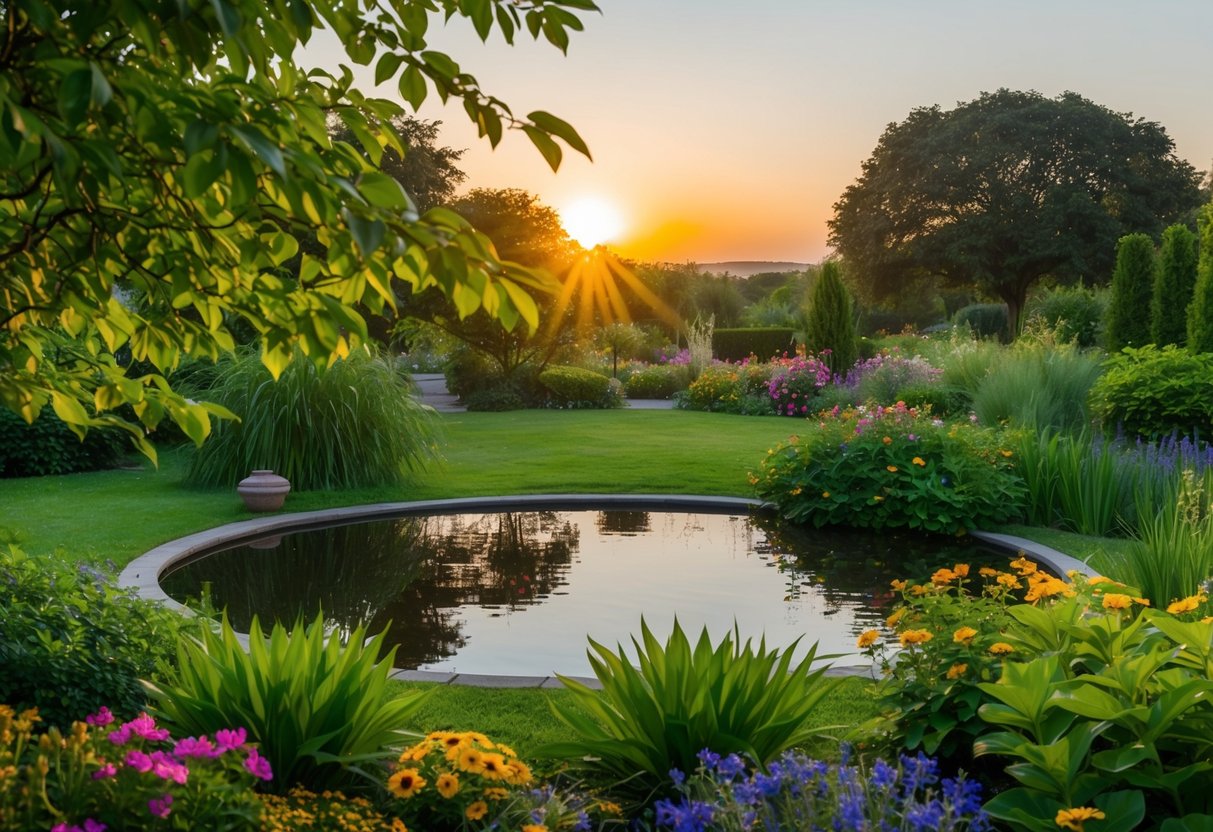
[519, 592]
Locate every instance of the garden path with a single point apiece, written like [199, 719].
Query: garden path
[432, 387]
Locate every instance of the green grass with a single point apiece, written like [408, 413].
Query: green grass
[121, 514]
[1084, 547]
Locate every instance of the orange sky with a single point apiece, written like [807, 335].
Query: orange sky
[727, 130]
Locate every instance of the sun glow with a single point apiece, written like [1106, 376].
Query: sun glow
[591, 221]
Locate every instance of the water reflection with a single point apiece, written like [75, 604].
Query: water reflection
[519, 592]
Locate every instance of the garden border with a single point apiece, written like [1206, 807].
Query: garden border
[143, 573]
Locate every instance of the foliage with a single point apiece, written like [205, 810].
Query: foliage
[49, 446]
[882, 377]
[69, 639]
[353, 424]
[892, 467]
[1074, 481]
[1132, 287]
[798, 793]
[1075, 313]
[935, 398]
[1173, 287]
[300, 810]
[718, 388]
[1153, 392]
[656, 381]
[795, 382]
[176, 154]
[678, 698]
[830, 329]
[100, 775]
[965, 361]
[315, 706]
[574, 387]
[762, 342]
[1049, 188]
[699, 344]
[986, 320]
[1200, 310]
[1038, 384]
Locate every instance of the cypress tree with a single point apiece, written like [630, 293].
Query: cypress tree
[1200, 313]
[1132, 286]
[1173, 287]
[831, 324]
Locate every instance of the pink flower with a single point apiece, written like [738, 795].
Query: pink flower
[139, 761]
[102, 717]
[200, 747]
[230, 740]
[160, 806]
[257, 765]
[106, 771]
[166, 768]
[144, 726]
[91, 825]
[63, 827]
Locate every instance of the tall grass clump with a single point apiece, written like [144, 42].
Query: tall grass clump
[964, 360]
[354, 424]
[699, 344]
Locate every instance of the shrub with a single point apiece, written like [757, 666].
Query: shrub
[794, 384]
[936, 399]
[1200, 310]
[965, 361]
[1154, 392]
[315, 706]
[881, 378]
[352, 425]
[1075, 313]
[797, 793]
[69, 639]
[1038, 384]
[718, 388]
[133, 776]
[48, 447]
[739, 344]
[1132, 287]
[656, 381]
[574, 387]
[1173, 287]
[892, 467]
[986, 320]
[676, 699]
[830, 330]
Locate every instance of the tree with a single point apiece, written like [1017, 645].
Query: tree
[1200, 311]
[1006, 189]
[522, 228]
[1173, 287]
[831, 324]
[177, 150]
[1132, 285]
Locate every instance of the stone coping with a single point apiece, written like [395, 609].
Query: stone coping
[143, 573]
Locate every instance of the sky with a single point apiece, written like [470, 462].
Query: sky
[727, 130]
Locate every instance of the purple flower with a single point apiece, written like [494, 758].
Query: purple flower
[139, 761]
[230, 740]
[257, 765]
[160, 806]
[91, 825]
[106, 771]
[102, 717]
[709, 759]
[64, 827]
[677, 777]
[199, 747]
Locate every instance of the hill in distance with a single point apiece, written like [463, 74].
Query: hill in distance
[747, 268]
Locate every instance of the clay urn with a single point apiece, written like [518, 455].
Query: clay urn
[263, 491]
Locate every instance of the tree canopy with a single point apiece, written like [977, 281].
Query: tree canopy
[1003, 190]
[173, 153]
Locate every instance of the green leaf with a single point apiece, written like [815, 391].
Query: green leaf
[387, 67]
[561, 129]
[383, 191]
[75, 93]
[549, 149]
[412, 86]
[265, 149]
[368, 234]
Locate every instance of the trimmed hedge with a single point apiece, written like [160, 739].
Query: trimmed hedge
[576, 387]
[657, 381]
[739, 343]
[48, 446]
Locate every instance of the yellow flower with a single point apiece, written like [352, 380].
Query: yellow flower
[957, 670]
[878, 498]
[987, 572]
[795, 491]
[405, 783]
[1009, 581]
[892, 620]
[476, 736]
[609, 808]
[417, 752]
[1073, 819]
[943, 576]
[470, 759]
[897, 585]
[1023, 565]
[1099, 579]
[447, 785]
[1116, 601]
[867, 639]
[477, 810]
[919, 589]
[888, 440]
[496, 793]
[1044, 587]
[519, 774]
[1001, 648]
[919, 461]
[506, 750]
[494, 767]
[915, 637]
[825, 495]
[1145, 602]
[1005, 453]
[1188, 604]
[892, 469]
[961, 570]
[964, 635]
[534, 827]
[398, 825]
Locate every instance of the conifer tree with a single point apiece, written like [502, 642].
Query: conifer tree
[1200, 313]
[1132, 286]
[1173, 287]
[831, 323]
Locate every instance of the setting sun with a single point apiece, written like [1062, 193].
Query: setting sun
[591, 221]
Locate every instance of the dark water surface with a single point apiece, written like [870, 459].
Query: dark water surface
[519, 592]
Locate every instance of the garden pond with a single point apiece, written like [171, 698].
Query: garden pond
[519, 592]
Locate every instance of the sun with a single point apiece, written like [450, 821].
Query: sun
[591, 221]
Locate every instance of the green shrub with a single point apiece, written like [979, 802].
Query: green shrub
[658, 711]
[577, 388]
[938, 399]
[831, 321]
[986, 320]
[48, 446]
[1173, 287]
[718, 388]
[1200, 310]
[1128, 324]
[316, 706]
[657, 381]
[1075, 313]
[1155, 392]
[1038, 384]
[739, 344]
[69, 640]
[965, 360]
[892, 467]
[354, 424]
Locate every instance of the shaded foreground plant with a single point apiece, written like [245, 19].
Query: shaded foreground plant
[316, 706]
[679, 699]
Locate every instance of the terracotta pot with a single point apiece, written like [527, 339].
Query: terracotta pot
[263, 491]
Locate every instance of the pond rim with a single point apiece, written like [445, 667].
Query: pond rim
[143, 573]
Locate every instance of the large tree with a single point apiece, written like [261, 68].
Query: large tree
[1003, 190]
[177, 150]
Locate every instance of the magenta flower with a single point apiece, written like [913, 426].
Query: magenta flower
[91, 825]
[160, 806]
[101, 718]
[230, 740]
[258, 766]
[199, 747]
[165, 767]
[106, 771]
[64, 827]
[139, 761]
[144, 726]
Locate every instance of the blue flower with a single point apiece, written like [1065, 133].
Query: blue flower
[678, 777]
[709, 759]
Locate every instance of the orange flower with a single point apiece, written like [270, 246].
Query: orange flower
[961, 570]
[1073, 819]
[957, 670]
[918, 461]
[867, 639]
[1023, 565]
[964, 635]
[1188, 604]
[888, 440]
[1116, 601]
[892, 620]
[477, 810]
[825, 495]
[1001, 648]
[897, 584]
[943, 576]
[447, 785]
[915, 637]
[1009, 581]
[892, 469]
[987, 572]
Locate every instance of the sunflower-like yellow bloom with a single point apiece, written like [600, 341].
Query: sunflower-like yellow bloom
[405, 783]
[957, 670]
[964, 635]
[1073, 819]
[477, 810]
[1001, 648]
[447, 785]
[867, 639]
[915, 637]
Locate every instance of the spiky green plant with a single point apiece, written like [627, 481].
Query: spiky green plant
[353, 424]
[1038, 384]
